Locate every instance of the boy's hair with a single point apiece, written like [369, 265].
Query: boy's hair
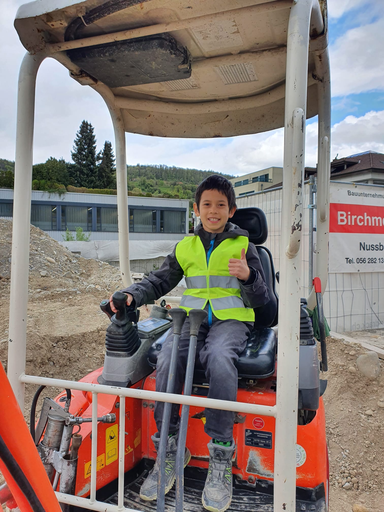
[217, 182]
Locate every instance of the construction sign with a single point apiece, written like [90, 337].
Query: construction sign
[356, 228]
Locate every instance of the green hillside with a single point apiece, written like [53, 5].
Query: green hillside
[163, 181]
[143, 180]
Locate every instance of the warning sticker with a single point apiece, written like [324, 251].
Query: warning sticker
[258, 423]
[258, 439]
[301, 455]
[137, 439]
[100, 463]
[111, 440]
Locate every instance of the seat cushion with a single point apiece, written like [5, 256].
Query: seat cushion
[257, 361]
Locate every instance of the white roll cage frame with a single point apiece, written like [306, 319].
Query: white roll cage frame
[304, 16]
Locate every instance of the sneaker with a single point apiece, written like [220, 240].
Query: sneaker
[148, 491]
[217, 493]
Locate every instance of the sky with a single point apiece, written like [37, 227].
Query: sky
[356, 37]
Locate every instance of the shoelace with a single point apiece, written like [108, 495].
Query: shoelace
[219, 469]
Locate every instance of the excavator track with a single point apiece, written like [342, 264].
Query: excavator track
[246, 497]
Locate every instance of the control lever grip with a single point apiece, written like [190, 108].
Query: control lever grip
[119, 300]
[196, 318]
[178, 316]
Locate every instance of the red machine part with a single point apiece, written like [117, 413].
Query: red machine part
[107, 436]
[17, 438]
[254, 437]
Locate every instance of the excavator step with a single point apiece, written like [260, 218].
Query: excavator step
[246, 497]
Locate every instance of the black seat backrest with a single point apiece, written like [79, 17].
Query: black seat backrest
[255, 222]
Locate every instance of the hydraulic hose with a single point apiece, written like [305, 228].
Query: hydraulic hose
[19, 477]
[32, 416]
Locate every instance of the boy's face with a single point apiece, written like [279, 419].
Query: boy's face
[213, 211]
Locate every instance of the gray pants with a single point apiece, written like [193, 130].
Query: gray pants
[218, 348]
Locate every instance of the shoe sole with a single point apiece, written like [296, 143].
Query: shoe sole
[168, 487]
[214, 509]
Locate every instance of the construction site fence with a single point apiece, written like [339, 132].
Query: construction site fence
[353, 301]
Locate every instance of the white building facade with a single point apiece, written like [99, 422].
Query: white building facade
[257, 181]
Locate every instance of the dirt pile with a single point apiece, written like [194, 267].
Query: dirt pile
[65, 339]
[354, 406]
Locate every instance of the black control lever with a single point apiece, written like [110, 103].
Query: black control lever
[123, 310]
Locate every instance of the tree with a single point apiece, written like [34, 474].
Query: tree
[6, 179]
[53, 171]
[83, 172]
[106, 172]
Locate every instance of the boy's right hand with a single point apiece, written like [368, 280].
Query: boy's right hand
[129, 301]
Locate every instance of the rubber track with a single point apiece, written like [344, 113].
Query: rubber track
[242, 501]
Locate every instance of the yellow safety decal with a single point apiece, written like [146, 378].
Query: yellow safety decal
[204, 420]
[100, 463]
[111, 443]
[128, 449]
[137, 439]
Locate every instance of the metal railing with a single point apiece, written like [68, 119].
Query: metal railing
[91, 503]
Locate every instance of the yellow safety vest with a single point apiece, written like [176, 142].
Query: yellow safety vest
[213, 282]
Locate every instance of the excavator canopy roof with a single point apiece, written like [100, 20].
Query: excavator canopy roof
[176, 68]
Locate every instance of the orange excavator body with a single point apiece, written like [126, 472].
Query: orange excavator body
[254, 437]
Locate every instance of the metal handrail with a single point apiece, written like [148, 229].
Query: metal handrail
[91, 503]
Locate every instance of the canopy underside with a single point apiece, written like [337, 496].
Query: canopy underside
[176, 68]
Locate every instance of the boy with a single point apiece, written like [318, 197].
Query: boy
[220, 250]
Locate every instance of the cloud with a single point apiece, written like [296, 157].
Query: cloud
[367, 9]
[249, 153]
[358, 134]
[336, 8]
[345, 103]
[357, 60]
[236, 156]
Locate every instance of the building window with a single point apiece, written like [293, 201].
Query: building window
[73, 217]
[106, 219]
[44, 216]
[246, 193]
[172, 221]
[6, 209]
[241, 183]
[263, 177]
[142, 221]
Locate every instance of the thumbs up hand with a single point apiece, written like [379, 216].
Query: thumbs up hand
[239, 268]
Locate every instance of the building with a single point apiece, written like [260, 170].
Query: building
[150, 218]
[257, 181]
[365, 167]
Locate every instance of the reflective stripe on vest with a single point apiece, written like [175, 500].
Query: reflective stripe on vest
[213, 283]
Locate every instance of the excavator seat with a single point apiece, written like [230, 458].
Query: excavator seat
[257, 361]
